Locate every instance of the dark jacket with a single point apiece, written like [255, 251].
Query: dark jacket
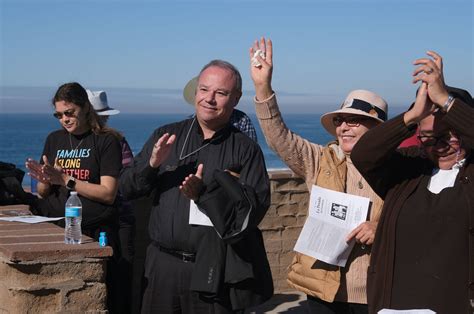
[394, 174]
[231, 260]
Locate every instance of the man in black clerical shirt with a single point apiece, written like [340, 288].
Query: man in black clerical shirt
[210, 190]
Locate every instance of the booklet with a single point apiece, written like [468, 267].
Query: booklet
[30, 219]
[332, 216]
[197, 217]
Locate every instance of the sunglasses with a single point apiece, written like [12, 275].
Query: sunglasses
[350, 121]
[429, 141]
[68, 113]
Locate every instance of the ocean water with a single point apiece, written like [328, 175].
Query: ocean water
[23, 135]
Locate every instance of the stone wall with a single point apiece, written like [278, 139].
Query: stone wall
[283, 223]
[57, 287]
[41, 274]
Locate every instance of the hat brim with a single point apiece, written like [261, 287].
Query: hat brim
[108, 112]
[326, 119]
[189, 91]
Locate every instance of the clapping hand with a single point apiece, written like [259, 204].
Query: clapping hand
[45, 173]
[432, 93]
[430, 71]
[192, 184]
[161, 150]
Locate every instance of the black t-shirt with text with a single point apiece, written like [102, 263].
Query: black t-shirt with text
[85, 157]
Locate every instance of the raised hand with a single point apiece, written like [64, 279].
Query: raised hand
[262, 75]
[192, 184]
[430, 71]
[161, 150]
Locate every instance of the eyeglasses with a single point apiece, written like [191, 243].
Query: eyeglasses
[429, 141]
[68, 113]
[352, 121]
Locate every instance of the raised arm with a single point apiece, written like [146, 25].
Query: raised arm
[435, 96]
[298, 153]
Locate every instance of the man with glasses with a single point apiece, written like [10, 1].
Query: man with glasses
[330, 289]
[423, 254]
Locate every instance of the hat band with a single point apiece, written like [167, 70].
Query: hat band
[105, 109]
[367, 107]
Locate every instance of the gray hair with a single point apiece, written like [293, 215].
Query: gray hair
[228, 66]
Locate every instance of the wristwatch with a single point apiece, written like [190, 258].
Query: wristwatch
[71, 183]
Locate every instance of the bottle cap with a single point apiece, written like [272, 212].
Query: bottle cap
[73, 192]
[102, 234]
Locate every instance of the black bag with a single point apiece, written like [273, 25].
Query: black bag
[11, 191]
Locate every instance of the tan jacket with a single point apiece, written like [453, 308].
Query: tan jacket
[326, 167]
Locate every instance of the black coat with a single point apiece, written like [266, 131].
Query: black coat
[231, 261]
[395, 175]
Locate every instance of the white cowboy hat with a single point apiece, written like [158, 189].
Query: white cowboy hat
[98, 100]
[358, 102]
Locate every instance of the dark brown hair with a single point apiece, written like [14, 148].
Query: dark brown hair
[74, 93]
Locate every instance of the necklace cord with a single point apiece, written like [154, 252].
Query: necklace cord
[70, 142]
[181, 157]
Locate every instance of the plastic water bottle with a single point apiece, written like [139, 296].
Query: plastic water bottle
[73, 215]
[102, 239]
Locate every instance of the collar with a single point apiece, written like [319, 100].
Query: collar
[219, 134]
[442, 179]
[78, 136]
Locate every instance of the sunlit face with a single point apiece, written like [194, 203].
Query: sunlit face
[71, 117]
[350, 128]
[215, 98]
[441, 145]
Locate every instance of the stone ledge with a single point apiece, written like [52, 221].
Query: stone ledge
[52, 251]
[42, 242]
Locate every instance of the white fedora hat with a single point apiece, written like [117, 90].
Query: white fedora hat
[358, 102]
[98, 100]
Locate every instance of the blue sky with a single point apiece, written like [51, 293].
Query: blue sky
[143, 52]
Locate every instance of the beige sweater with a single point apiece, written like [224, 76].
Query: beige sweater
[346, 284]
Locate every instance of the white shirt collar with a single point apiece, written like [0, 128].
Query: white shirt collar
[442, 179]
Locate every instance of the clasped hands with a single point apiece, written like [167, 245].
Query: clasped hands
[432, 94]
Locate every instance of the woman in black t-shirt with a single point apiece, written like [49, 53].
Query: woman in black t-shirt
[83, 156]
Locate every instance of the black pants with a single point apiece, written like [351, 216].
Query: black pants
[167, 291]
[319, 306]
[126, 235]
